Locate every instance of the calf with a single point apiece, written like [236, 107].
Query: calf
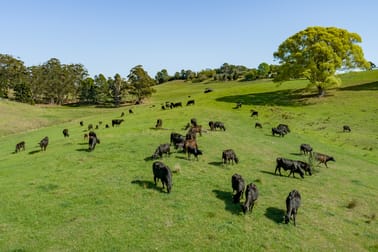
[65, 133]
[190, 102]
[159, 123]
[278, 131]
[20, 146]
[162, 172]
[346, 128]
[92, 141]
[238, 185]
[305, 148]
[251, 195]
[284, 128]
[229, 156]
[43, 143]
[117, 122]
[254, 113]
[258, 125]
[177, 140]
[163, 148]
[288, 164]
[323, 158]
[293, 201]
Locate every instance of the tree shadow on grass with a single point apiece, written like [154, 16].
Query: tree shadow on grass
[226, 197]
[372, 86]
[287, 97]
[275, 214]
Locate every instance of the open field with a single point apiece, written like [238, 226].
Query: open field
[69, 199]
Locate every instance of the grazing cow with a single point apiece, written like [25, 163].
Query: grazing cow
[215, 125]
[229, 156]
[284, 128]
[208, 90]
[131, 111]
[43, 143]
[191, 147]
[190, 102]
[159, 123]
[161, 149]
[238, 185]
[176, 104]
[162, 172]
[162, 107]
[278, 131]
[65, 133]
[122, 114]
[194, 130]
[293, 201]
[81, 123]
[177, 140]
[306, 167]
[346, 128]
[305, 148]
[258, 125]
[323, 158]
[117, 122]
[288, 164]
[20, 146]
[251, 195]
[92, 141]
[254, 113]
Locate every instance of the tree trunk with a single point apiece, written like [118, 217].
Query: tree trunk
[321, 91]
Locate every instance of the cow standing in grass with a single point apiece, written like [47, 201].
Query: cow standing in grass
[293, 201]
[20, 146]
[162, 172]
[43, 143]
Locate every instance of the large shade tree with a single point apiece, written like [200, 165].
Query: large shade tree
[316, 53]
[140, 83]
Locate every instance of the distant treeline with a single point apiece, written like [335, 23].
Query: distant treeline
[55, 83]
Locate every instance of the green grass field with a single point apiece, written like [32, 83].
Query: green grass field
[69, 199]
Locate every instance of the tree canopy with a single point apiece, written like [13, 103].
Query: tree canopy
[316, 53]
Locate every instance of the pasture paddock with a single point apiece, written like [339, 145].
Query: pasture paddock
[71, 199]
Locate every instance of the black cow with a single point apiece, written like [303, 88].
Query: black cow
[251, 195]
[159, 123]
[161, 149]
[177, 140]
[229, 156]
[306, 167]
[288, 164]
[254, 113]
[65, 133]
[81, 123]
[190, 102]
[323, 158]
[216, 125]
[176, 104]
[305, 148]
[92, 141]
[162, 172]
[20, 146]
[277, 131]
[238, 105]
[284, 128]
[346, 128]
[193, 150]
[293, 201]
[238, 185]
[43, 143]
[131, 111]
[208, 90]
[258, 125]
[117, 122]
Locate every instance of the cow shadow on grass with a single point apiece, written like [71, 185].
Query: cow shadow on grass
[83, 150]
[226, 197]
[146, 184]
[218, 164]
[34, 152]
[286, 97]
[270, 173]
[275, 214]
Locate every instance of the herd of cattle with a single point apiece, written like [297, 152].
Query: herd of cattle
[188, 144]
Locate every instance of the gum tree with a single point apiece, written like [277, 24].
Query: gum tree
[316, 53]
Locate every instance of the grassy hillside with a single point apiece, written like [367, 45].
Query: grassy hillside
[68, 199]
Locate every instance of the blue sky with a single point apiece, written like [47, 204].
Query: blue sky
[113, 36]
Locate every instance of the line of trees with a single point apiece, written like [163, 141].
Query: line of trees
[55, 83]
